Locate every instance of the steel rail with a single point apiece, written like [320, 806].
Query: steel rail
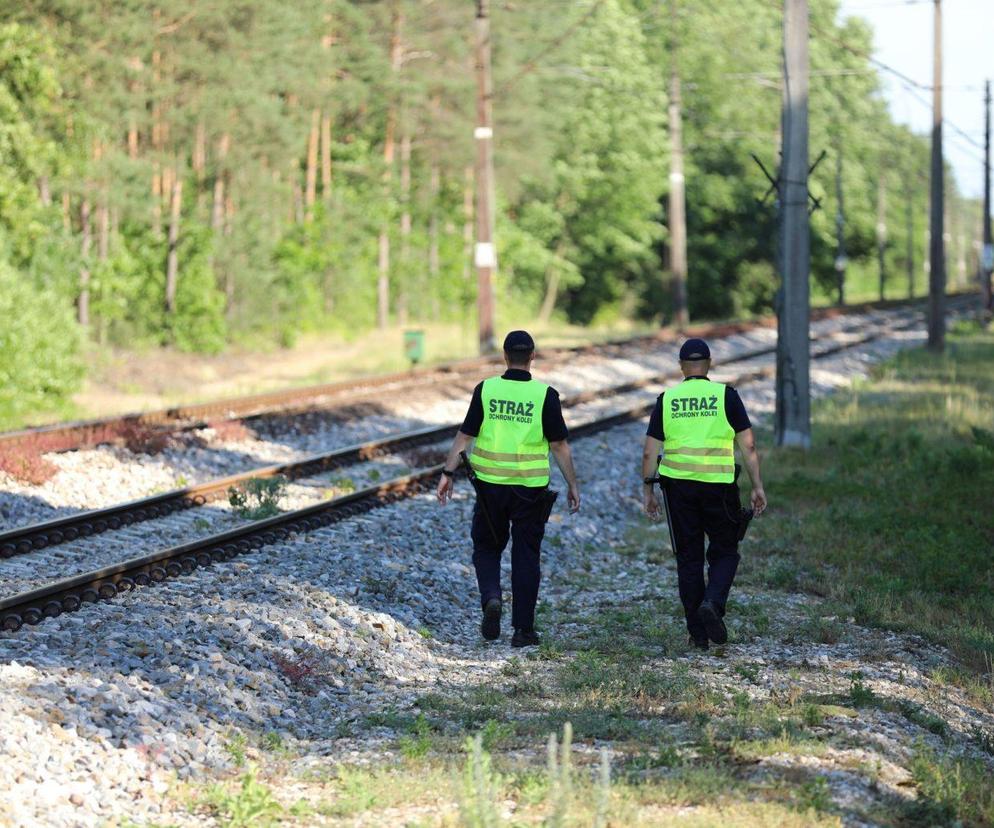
[23, 540]
[69, 595]
[78, 434]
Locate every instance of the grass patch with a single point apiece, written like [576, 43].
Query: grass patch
[950, 791]
[250, 805]
[570, 788]
[258, 498]
[889, 513]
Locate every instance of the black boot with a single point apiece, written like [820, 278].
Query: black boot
[710, 617]
[490, 625]
[524, 638]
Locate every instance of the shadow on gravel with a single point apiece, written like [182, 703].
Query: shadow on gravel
[21, 509]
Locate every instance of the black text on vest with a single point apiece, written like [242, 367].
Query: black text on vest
[520, 412]
[694, 406]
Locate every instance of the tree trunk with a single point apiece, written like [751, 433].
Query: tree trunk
[310, 193]
[83, 305]
[297, 203]
[156, 199]
[551, 292]
[217, 210]
[229, 273]
[172, 260]
[882, 235]
[434, 263]
[383, 279]
[44, 191]
[405, 227]
[157, 189]
[132, 140]
[103, 230]
[467, 227]
[168, 178]
[382, 282]
[326, 155]
[552, 276]
[66, 217]
[200, 164]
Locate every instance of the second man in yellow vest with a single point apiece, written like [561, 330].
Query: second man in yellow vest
[514, 422]
[697, 425]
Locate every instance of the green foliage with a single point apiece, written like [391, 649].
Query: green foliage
[198, 324]
[251, 806]
[480, 786]
[40, 362]
[950, 790]
[96, 110]
[235, 748]
[258, 498]
[892, 568]
[418, 741]
[28, 93]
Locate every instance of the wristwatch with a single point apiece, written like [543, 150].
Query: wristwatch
[448, 473]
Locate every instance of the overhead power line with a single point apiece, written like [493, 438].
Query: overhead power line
[910, 84]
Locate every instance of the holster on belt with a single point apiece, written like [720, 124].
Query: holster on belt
[548, 500]
[745, 515]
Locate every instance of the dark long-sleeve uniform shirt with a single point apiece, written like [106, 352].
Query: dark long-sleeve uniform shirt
[735, 412]
[553, 424]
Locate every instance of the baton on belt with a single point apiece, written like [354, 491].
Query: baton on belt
[481, 501]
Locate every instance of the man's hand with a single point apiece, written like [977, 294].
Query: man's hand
[758, 500]
[573, 499]
[651, 503]
[444, 491]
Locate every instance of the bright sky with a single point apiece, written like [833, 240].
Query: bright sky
[903, 40]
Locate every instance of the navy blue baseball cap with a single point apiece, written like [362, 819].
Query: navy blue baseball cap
[693, 350]
[519, 342]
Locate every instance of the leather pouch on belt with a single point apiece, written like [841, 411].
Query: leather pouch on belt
[548, 501]
[745, 515]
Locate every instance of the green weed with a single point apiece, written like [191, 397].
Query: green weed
[252, 805]
[814, 794]
[258, 498]
[418, 741]
[235, 748]
[480, 787]
[860, 695]
[951, 790]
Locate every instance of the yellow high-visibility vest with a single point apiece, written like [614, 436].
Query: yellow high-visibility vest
[698, 442]
[511, 448]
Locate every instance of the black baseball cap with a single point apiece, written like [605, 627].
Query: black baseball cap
[519, 342]
[693, 350]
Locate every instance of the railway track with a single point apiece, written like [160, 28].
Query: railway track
[30, 538]
[70, 594]
[88, 433]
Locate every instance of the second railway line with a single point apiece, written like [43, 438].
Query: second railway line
[184, 527]
[111, 474]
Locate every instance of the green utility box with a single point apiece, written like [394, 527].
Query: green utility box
[414, 346]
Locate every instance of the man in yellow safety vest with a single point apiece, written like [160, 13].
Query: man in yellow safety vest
[697, 424]
[514, 423]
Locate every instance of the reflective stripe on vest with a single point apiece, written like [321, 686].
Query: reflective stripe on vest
[698, 443]
[511, 448]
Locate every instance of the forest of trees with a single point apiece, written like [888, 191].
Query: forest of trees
[193, 174]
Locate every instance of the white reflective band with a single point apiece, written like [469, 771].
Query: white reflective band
[483, 132]
[485, 255]
[675, 176]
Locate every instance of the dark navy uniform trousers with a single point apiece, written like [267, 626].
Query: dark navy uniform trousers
[516, 513]
[693, 510]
